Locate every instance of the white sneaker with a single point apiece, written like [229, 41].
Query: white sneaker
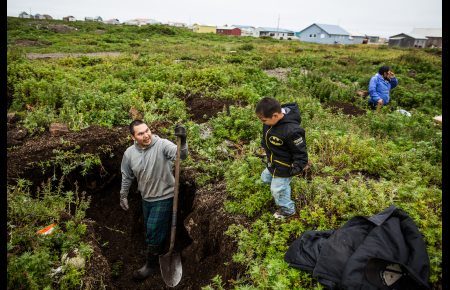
[279, 215]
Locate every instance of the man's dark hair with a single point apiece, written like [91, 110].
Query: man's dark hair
[267, 106]
[384, 69]
[133, 124]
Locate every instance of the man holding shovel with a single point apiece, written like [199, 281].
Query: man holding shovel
[380, 86]
[150, 161]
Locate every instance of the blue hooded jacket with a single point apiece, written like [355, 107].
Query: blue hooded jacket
[379, 88]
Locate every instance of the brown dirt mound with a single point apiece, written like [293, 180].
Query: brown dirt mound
[346, 108]
[203, 108]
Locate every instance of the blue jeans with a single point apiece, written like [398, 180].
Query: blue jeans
[280, 187]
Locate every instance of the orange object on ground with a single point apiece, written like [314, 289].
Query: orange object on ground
[47, 230]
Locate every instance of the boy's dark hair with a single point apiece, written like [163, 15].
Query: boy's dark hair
[384, 69]
[133, 124]
[267, 106]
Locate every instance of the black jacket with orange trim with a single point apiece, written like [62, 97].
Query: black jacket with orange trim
[285, 144]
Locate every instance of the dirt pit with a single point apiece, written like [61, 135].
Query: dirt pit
[117, 236]
[345, 108]
[203, 108]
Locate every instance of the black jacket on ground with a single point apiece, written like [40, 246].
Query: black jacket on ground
[339, 258]
[285, 144]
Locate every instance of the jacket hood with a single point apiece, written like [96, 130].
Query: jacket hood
[291, 115]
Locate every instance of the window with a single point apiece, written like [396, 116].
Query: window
[314, 35]
[310, 35]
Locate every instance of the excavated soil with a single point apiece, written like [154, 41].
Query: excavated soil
[346, 108]
[117, 236]
[202, 108]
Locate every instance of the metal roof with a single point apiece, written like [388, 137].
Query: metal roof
[243, 26]
[271, 29]
[407, 34]
[430, 32]
[330, 29]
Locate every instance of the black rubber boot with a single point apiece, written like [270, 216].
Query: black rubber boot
[151, 266]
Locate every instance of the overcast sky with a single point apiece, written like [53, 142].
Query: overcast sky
[356, 16]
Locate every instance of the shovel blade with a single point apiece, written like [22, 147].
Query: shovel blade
[171, 268]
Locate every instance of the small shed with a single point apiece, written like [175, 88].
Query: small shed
[48, 17]
[407, 40]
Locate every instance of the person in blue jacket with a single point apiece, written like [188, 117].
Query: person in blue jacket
[380, 86]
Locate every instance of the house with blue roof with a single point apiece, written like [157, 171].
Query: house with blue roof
[325, 33]
[276, 33]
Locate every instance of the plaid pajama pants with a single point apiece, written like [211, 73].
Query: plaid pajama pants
[157, 217]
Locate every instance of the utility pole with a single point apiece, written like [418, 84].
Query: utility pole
[278, 23]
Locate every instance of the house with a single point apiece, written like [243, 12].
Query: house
[112, 21]
[98, 19]
[325, 33]
[48, 17]
[358, 37]
[39, 16]
[141, 21]
[176, 24]
[246, 30]
[25, 15]
[198, 28]
[276, 33]
[407, 40]
[88, 19]
[228, 30]
[69, 18]
[433, 35]
[362, 38]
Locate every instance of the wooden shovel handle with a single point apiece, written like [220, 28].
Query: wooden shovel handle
[175, 196]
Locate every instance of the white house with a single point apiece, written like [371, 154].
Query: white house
[69, 18]
[246, 30]
[141, 21]
[112, 21]
[39, 16]
[276, 33]
[176, 24]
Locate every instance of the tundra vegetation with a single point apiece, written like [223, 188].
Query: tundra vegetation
[360, 164]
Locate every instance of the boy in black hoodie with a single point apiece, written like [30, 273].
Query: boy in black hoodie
[285, 145]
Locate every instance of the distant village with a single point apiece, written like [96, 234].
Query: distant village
[316, 32]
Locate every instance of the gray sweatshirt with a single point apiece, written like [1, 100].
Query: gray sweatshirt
[152, 168]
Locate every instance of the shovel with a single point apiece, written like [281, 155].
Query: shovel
[170, 263]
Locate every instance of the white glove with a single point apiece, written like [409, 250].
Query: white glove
[124, 203]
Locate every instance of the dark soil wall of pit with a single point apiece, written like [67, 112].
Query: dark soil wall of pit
[117, 236]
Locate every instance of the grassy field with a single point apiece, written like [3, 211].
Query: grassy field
[360, 164]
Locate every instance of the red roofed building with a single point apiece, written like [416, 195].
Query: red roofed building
[228, 30]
